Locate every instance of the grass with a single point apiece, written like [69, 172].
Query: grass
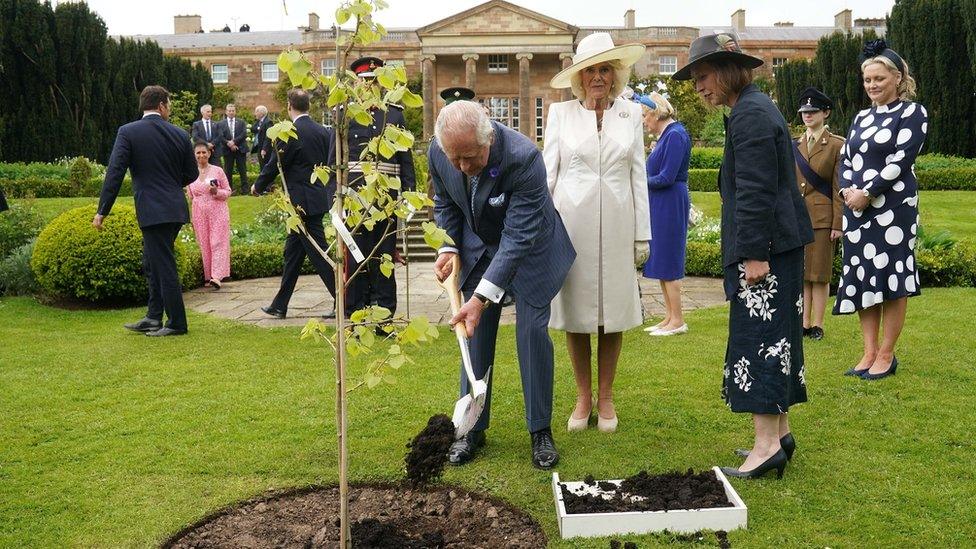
[111, 439]
[242, 208]
[952, 211]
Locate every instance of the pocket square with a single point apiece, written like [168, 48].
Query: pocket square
[497, 201]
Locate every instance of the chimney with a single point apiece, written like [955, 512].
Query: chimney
[187, 24]
[843, 20]
[739, 20]
[630, 19]
[313, 21]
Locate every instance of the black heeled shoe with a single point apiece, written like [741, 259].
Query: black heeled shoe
[777, 461]
[787, 442]
[854, 372]
[889, 372]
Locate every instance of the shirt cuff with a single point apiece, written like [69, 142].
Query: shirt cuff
[447, 249]
[489, 290]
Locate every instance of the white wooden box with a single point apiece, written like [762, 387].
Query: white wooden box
[683, 521]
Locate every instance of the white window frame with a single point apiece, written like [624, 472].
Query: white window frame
[539, 119]
[269, 71]
[779, 61]
[503, 109]
[665, 65]
[214, 73]
[498, 63]
[328, 66]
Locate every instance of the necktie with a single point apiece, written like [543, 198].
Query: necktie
[207, 124]
[473, 181]
[230, 122]
[811, 141]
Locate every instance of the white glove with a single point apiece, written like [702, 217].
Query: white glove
[642, 250]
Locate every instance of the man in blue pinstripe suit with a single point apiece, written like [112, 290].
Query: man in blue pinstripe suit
[493, 201]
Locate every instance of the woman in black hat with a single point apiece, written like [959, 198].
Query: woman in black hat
[881, 214]
[764, 228]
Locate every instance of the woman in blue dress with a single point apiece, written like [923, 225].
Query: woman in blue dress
[881, 209]
[667, 186]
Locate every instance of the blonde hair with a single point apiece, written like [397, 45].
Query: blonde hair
[620, 77]
[664, 109]
[906, 88]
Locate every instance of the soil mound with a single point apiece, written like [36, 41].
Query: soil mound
[645, 492]
[428, 450]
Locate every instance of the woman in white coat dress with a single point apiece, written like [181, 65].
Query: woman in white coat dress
[594, 155]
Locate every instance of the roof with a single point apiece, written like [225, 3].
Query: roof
[223, 39]
[775, 34]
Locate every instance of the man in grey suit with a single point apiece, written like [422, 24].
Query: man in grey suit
[493, 201]
[205, 130]
[234, 137]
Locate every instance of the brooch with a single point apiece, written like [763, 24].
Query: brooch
[624, 114]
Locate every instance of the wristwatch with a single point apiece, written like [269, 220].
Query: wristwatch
[485, 302]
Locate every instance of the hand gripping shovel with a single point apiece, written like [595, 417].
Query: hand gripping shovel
[468, 408]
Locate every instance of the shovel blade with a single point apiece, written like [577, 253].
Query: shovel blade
[467, 410]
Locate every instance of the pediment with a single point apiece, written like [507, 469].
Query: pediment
[497, 17]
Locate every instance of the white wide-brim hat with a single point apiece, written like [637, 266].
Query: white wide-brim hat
[594, 49]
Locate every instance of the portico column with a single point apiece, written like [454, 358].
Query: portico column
[567, 59]
[525, 108]
[470, 70]
[427, 71]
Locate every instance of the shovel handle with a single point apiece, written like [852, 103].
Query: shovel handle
[450, 284]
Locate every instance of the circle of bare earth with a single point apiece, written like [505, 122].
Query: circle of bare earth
[307, 517]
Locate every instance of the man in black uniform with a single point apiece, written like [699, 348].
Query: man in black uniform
[370, 285]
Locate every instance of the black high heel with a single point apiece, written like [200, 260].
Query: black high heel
[889, 372]
[787, 442]
[777, 461]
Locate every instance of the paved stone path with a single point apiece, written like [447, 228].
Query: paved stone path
[242, 299]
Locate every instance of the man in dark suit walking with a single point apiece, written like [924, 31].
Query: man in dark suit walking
[205, 129]
[298, 158]
[234, 137]
[260, 132]
[160, 157]
[493, 200]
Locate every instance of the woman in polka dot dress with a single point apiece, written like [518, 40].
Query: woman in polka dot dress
[881, 209]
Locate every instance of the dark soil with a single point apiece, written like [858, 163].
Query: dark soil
[428, 450]
[383, 515]
[664, 492]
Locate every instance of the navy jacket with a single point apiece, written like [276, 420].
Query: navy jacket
[298, 158]
[238, 136]
[762, 210]
[514, 222]
[360, 135]
[260, 132]
[160, 157]
[199, 133]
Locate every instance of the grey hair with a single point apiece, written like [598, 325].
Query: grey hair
[462, 117]
[207, 106]
[664, 108]
[261, 108]
[620, 77]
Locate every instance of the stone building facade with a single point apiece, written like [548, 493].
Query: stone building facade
[505, 52]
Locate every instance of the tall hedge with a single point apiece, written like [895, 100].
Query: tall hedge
[66, 87]
[936, 38]
[835, 70]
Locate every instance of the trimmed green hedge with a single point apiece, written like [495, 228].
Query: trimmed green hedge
[706, 158]
[73, 259]
[938, 268]
[937, 179]
[259, 260]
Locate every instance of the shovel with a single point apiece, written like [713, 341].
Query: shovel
[468, 408]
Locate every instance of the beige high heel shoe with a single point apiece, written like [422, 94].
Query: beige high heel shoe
[579, 424]
[605, 425]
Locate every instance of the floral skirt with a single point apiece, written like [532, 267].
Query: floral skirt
[764, 357]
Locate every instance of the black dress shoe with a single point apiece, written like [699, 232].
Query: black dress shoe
[777, 461]
[273, 312]
[544, 453]
[145, 325]
[163, 332]
[463, 450]
[787, 442]
[816, 333]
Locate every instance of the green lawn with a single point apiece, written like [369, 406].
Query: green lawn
[112, 439]
[953, 211]
[242, 208]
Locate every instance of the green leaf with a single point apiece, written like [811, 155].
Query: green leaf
[321, 173]
[341, 16]
[434, 236]
[412, 100]
[394, 349]
[310, 83]
[337, 95]
[386, 266]
[287, 59]
[373, 380]
[395, 95]
[294, 224]
[299, 71]
[389, 379]
[359, 316]
[385, 76]
[385, 149]
[282, 131]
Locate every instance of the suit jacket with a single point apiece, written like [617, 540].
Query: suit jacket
[825, 211]
[160, 157]
[260, 132]
[238, 135]
[199, 133]
[359, 136]
[298, 158]
[514, 223]
[762, 210]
